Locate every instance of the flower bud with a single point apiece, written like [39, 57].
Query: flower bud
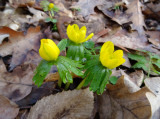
[48, 50]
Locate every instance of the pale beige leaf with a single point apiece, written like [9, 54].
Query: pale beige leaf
[155, 105]
[76, 104]
[8, 109]
[153, 84]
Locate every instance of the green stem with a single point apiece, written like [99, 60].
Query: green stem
[50, 15]
[67, 86]
[81, 84]
[59, 82]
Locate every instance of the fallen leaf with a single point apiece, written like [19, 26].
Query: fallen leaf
[136, 16]
[132, 40]
[76, 104]
[15, 85]
[129, 82]
[8, 109]
[19, 44]
[87, 6]
[17, 3]
[36, 94]
[118, 103]
[154, 37]
[153, 84]
[2, 37]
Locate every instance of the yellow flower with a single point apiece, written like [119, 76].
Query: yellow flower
[109, 58]
[77, 35]
[48, 50]
[51, 5]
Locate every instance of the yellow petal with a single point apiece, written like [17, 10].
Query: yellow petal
[76, 27]
[49, 50]
[118, 54]
[82, 32]
[89, 37]
[106, 51]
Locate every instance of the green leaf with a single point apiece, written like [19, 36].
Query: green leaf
[62, 72]
[62, 44]
[137, 57]
[54, 20]
[140, 65]
[105, 81]
[48, 19]
[44, 4]
[113, 79]
[89, 44]
[41, 72]
[75, 52]
[55, 8]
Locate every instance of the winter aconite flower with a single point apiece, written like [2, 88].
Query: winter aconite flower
[109, 58]
[77, 35]
[51, 5]
[48, 50]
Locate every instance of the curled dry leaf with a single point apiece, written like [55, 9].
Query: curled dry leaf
[19, 44]
[76, 104]
[8, 109]
[154, 37]
[153, 84]
[128, 81]
[118, 103]
[15, 85]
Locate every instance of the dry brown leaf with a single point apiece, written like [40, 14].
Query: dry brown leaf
[153, 84]
[118, 103]
[132, 40]
[76, 104]
[16, 3]
[136, 16]
[154, 98]
[87, 6]
[154, 37]
[19, 44]
[137, 77]
[128, 81]
[8, 109]
[15, 85]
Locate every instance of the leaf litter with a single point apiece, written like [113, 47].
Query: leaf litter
[131, 25]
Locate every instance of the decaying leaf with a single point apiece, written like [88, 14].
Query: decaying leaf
[87, 6]
[76, 104]
[154, 85]
[19, 44]
[118, 103]
[15, 85]
[154, 37]
[16, 3]
[2, 37]
[8, 109]
[132, 40]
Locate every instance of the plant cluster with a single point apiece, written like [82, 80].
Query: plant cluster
[81, 59]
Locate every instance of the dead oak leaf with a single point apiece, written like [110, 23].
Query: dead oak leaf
[136, 16]
[153, 84]
[19, 44]
[132, 40]
[118, 103]
[8, 109]
[76, 104]
[87, 6]
[17, 84]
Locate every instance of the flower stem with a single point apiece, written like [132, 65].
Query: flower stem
[59, 82]
[81, 84]
[67, 86]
